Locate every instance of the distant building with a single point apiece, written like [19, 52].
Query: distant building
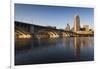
[86, 27]
[68, 27]
[76, 23]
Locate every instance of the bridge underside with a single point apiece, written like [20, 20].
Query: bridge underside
[20, 33]
[51, 34]
[43, 34]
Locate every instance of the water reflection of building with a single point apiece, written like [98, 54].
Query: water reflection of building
[82, 43]
[77, 46]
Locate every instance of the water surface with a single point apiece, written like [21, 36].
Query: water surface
[54, 50]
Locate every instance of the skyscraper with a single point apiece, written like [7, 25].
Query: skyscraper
[76, 23]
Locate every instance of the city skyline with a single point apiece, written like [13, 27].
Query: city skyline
[53, 15]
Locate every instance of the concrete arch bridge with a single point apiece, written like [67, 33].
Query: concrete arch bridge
[37, 31]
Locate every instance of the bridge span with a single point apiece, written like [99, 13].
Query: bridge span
[26, 30]
[37, 31]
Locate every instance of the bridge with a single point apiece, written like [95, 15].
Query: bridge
[26, 30]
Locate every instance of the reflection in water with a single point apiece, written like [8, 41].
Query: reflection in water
[22, 44]
[36, 51]
[41, 43]
[66, 41]
[81, 42]
[77, 46]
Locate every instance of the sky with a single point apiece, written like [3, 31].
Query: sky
[58, 16]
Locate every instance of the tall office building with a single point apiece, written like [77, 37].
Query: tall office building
[76, 23]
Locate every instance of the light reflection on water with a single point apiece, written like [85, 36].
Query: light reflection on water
[37, 51]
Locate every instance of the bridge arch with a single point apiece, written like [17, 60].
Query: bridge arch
[46, 34]
[65, 34]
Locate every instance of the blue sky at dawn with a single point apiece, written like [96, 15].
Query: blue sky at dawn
[57, 16]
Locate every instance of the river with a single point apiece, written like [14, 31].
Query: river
[54, 50]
